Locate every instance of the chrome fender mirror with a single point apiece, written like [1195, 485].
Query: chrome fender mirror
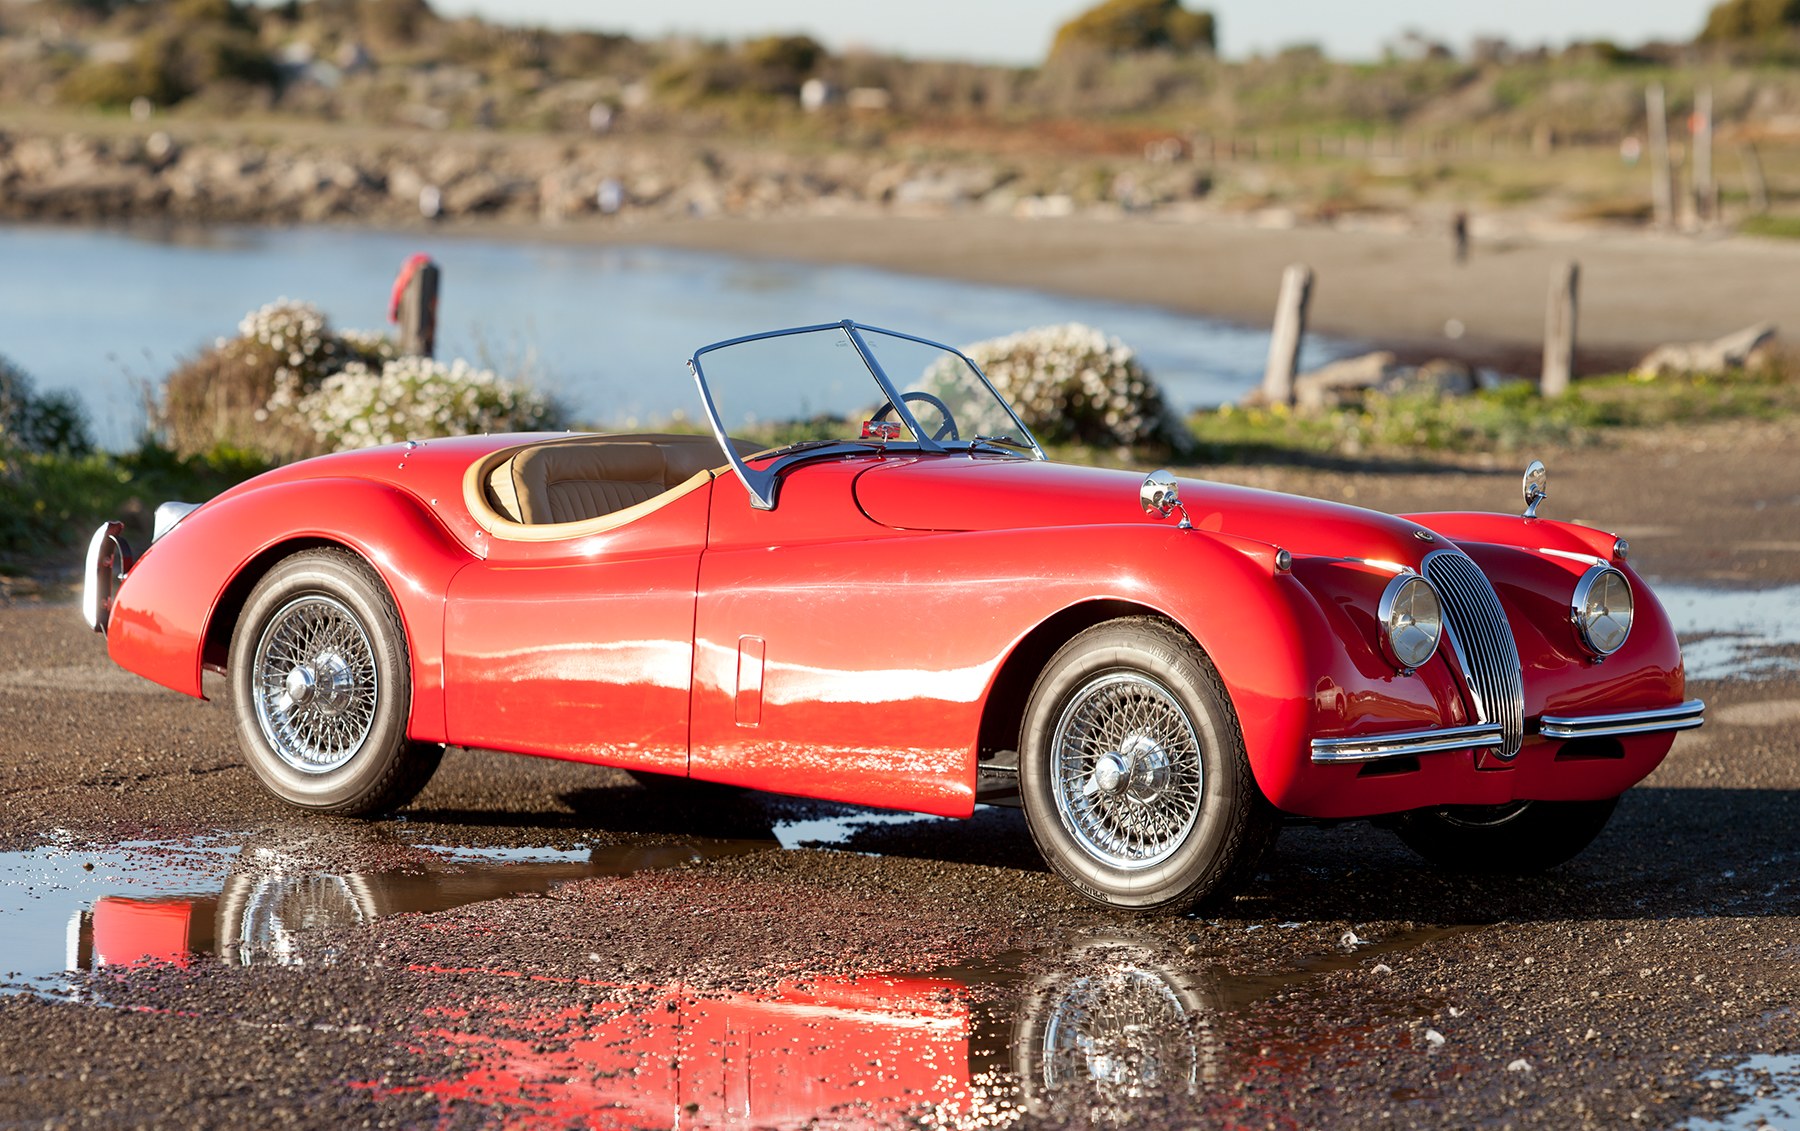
[1537, 486]
[1160, 494]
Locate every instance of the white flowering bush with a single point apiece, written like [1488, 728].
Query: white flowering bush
[416, 398]
[1074, 384]
[289, 386]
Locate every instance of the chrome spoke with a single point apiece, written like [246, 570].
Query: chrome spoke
[315, 684]
[1126, 770]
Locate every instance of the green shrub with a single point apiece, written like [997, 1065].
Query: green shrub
[1123, 27]
[39, 422]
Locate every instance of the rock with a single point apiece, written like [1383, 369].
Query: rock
[1733, 351]
[1439, 377]
[1341, 382]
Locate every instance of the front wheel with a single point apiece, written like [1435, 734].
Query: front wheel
[1133, 774]
[1518, 839]
[322, 686]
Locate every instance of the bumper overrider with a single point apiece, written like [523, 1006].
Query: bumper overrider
[1410, 744]
[109, 558]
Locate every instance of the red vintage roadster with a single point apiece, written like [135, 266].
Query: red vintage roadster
[890, 597]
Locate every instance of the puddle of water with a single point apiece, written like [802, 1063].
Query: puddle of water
[1772, 1084]
[66, 907]
[1092, 1029]
[824, 832]
[1727, 633]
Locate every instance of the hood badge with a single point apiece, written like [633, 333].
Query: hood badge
[1424, 536]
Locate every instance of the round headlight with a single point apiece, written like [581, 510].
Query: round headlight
[1601, 610]
[1412, 621]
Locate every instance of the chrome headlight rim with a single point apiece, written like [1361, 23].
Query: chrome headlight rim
[1398, 599]
[1582, 616]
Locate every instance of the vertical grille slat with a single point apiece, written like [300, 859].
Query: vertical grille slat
[1477, 628]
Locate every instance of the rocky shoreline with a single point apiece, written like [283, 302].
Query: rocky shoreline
[391, 178]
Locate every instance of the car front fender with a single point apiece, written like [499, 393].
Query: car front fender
[186, 589]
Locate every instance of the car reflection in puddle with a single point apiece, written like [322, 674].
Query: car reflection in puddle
[1094, 1029]
[273, 903]
[1735, 633]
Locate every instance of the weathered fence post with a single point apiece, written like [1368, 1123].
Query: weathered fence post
[1290, 328]
[1756, 183]
[1705, 194]
[1662, 197]
[417, 308]
[1559, 329]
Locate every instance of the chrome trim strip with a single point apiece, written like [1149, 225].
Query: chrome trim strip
[1375, 748]
[1683, 716]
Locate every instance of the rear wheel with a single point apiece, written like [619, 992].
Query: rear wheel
[1517, 839]
[1133, 774]
[322, 687]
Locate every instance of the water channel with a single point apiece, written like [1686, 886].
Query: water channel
[607, 329]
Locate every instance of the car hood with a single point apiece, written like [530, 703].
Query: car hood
[978, 493]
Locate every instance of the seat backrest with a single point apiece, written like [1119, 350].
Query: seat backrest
[571, 482]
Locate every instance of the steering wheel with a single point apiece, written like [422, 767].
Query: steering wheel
[948, 431]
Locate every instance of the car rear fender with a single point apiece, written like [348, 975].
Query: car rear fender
[177, 608]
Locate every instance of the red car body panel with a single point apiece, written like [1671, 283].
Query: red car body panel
[848, 643]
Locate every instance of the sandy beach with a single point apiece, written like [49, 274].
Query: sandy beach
[1394, 289]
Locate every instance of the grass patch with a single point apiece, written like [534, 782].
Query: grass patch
[1776, 227]
[50, 502]
[1501, 420]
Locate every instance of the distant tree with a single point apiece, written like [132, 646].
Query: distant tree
[1121, 27]
[780, 63]
[1735, 21]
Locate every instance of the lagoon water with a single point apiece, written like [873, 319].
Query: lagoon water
[606, 329]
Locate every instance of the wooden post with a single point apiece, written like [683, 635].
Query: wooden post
[1757, 185]
[1662, 197]
[1290, 328]
[1704, 198]
[418, 312]
[1559, 330]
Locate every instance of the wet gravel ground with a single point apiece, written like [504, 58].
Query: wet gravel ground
[546, 944]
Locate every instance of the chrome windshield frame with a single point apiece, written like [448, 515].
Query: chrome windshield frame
[762, 484]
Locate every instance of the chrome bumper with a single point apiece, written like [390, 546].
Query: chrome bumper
[1408, 744]
[1683, 716]
[108, 558]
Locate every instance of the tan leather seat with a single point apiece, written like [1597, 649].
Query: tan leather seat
[574, 480]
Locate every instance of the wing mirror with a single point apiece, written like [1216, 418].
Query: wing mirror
[1537, 486]
[1161, 494]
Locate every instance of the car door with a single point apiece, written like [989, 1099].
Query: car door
[822, 663]
[580, 648]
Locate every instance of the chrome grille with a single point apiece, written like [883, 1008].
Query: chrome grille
[1477, 628]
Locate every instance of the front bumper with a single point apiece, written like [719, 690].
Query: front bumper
[1411, 744]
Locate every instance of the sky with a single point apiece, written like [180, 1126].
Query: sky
[1019, 31]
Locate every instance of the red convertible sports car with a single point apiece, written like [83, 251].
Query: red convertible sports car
[891, 597]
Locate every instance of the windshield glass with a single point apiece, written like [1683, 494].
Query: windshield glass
[826, 384]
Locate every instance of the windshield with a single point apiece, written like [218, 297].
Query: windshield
[846, 384]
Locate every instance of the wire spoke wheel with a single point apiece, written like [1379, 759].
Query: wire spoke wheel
[1132, 770]
[1126, 769]
[321, 681]
[316, 684]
